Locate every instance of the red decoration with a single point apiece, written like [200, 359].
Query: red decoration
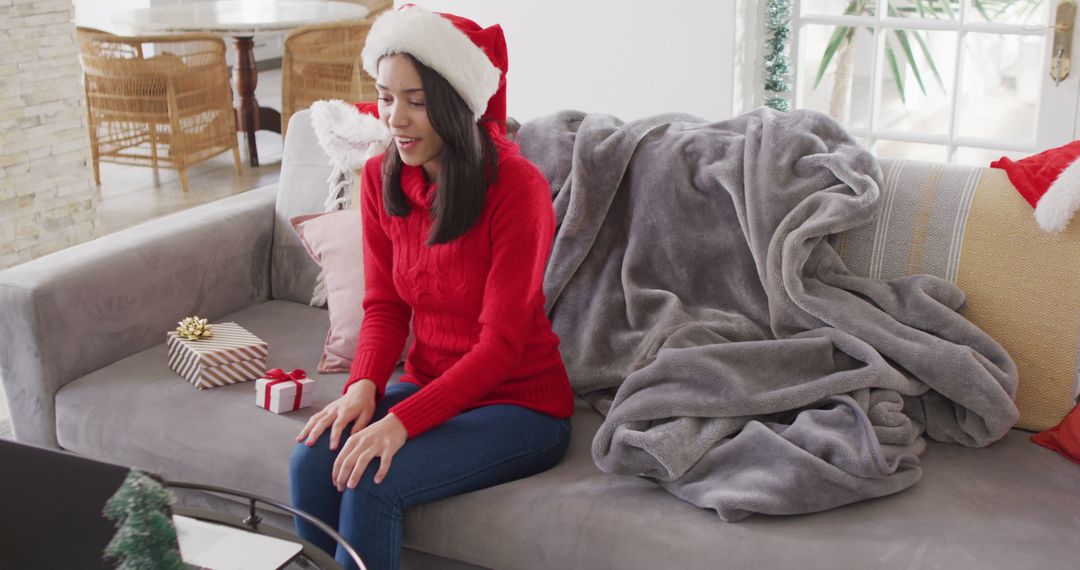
[1063, 438]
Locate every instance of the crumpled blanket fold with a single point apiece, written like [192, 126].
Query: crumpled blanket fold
[703, 309]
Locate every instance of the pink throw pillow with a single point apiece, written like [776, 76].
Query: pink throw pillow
[335, 241]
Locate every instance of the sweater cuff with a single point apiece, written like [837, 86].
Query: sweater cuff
[422, 411]
[373, 366]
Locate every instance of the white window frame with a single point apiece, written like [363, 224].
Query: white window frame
[1053, 129]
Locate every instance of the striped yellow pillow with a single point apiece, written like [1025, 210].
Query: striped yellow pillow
[970, 226]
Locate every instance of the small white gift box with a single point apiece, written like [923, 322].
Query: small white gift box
[282, 392]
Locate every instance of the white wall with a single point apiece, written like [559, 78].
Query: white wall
[629, 59]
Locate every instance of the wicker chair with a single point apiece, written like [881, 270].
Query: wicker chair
[157, 101]
[323, 62]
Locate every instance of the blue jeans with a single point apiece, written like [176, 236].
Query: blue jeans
[476, 449]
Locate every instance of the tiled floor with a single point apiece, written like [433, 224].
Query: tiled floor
[131, 195]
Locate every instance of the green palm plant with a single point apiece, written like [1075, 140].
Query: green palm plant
[842, 40]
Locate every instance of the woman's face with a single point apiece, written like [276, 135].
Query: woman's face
[403, 110]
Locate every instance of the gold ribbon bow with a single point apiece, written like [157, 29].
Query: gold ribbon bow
[194, 328]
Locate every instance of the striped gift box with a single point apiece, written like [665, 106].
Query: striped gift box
[232, 355]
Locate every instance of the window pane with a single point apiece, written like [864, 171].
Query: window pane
[835, 7]
[983, 157]
[916, 81]
[843, 91]
[1001, 85]
[1024, 12]
[910, 151]
[928, 9]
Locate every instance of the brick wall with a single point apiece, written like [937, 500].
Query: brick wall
[47, 193]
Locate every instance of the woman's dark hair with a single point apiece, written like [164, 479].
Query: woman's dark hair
[469, 162]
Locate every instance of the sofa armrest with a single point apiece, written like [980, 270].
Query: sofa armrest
[67, 314]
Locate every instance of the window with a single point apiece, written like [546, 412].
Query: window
[962, 81]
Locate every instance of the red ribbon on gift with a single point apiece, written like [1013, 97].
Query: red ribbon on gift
[278, 376]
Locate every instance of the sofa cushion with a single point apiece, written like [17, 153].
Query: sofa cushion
[1011, 505]
[970, 226]
[139, 412]
[302, 189]
[335, 241]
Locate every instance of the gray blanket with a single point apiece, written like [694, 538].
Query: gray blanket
[703, 309]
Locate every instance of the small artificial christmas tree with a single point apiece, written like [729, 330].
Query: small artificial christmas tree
[145, 536]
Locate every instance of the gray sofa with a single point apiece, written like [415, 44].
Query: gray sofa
[83, 364]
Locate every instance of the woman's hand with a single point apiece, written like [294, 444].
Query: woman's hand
[358, 404]
[381, 439]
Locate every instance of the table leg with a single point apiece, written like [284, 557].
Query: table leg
[250, 117]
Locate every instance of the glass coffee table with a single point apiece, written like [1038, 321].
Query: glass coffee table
[310, 557]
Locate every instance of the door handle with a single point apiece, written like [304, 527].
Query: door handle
[1061, 63]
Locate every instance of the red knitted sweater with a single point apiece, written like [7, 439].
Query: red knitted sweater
[476, 303]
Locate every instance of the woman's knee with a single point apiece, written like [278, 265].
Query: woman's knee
[382, 496]
[307, 459]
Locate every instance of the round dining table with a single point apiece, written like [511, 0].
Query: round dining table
[241, 20]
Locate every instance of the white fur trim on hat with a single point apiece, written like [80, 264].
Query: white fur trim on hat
[438, 44]
[347, 135]
[1062, 199]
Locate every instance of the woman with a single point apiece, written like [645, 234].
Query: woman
[457, 228]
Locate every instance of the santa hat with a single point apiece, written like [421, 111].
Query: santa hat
[472, 59]
[1050, 182]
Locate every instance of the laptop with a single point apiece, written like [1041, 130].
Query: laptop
[51, 517]
[50, 508]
